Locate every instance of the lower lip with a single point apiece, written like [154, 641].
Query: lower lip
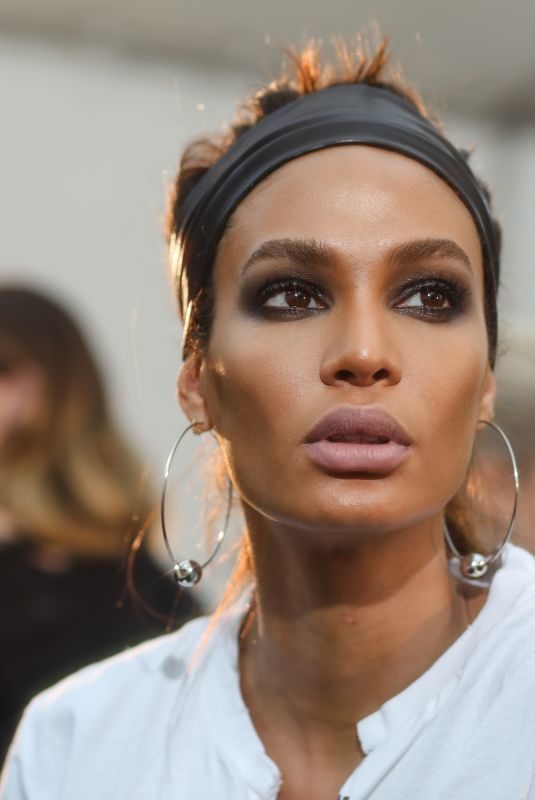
[353, 457]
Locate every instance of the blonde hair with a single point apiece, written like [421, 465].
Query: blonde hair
[67, 477]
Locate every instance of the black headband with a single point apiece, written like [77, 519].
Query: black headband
[342, 114]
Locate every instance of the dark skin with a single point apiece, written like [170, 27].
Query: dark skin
[349, 276]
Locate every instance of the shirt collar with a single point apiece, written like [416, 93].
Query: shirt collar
[229, 722]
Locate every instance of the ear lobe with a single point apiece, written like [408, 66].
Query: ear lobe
[190, 392]
[486, 408]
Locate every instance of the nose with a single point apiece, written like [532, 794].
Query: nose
[361, 348]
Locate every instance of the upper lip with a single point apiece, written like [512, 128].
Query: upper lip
[354, 421]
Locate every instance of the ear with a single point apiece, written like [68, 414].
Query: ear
[486, 406]
[190, 392]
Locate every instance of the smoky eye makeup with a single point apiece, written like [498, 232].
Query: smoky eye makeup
[434, 295]
[428, 294]
[283, 294]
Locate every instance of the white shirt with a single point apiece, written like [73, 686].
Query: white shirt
[151, 724]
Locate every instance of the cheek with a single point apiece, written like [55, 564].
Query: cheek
[253, 379]
[452, 382]
[261, 384]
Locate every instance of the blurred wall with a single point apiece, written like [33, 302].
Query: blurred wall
[88, 144]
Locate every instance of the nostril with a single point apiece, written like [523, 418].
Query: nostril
[350, 376]
[345, 375]
[380, 375]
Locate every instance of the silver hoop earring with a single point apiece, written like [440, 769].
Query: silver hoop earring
[474, 566]
[187, 571]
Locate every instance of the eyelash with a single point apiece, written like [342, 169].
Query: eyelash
[290, 284]
[454, 293]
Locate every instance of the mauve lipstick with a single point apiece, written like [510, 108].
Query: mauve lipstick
[358, 439]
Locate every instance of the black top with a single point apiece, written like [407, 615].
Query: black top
[54, 623]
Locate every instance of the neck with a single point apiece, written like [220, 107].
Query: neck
[340, 630]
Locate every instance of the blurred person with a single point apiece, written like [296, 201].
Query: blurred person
[71, 499]
[337, 263]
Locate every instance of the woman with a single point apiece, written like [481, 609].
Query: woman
[337, 263]
[70, 490]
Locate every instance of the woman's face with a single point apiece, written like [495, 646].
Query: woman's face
[349, 281]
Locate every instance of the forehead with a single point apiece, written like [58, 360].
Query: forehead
[359, 196]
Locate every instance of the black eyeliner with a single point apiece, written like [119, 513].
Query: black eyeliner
[455, 292]
[255, 297]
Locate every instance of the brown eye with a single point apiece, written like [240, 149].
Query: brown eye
[297, 298]
[433, 298]
[429, 298]
[290, 296]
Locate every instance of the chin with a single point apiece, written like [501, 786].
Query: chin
[345, 515]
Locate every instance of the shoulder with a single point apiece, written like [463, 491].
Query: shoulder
[96, 707]
[506, 636]
[516, 590]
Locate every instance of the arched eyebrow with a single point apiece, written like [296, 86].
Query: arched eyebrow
[422, 249]
[301, 252]
[304, 252]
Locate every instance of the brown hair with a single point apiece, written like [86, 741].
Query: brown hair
[354, 64]
[66, 477]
